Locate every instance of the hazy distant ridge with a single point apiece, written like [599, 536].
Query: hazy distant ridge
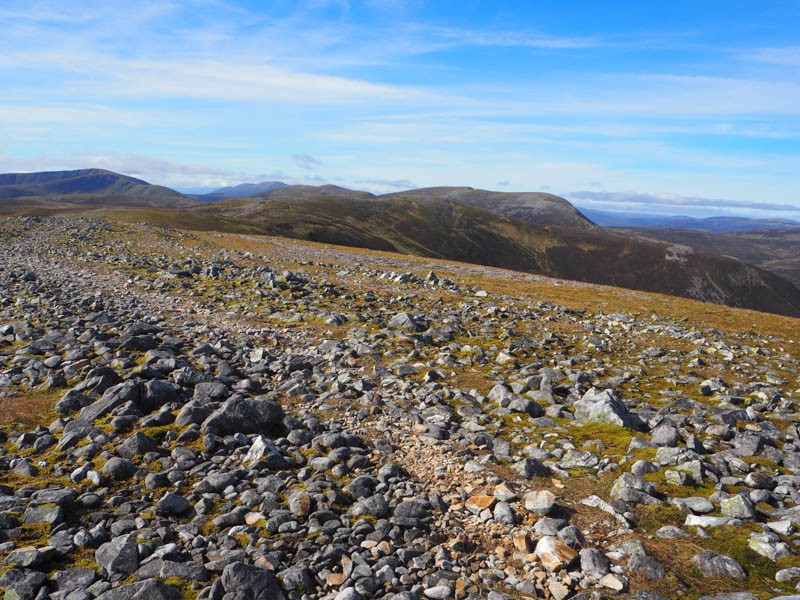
[243, 190]
[708, 224]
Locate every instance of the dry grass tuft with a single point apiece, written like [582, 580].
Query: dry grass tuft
[30, 409]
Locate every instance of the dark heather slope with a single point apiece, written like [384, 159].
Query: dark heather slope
[446, 229]
[776, 250]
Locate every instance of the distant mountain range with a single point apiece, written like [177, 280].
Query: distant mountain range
[243, 190]
[532, 232]
[709, 224]
[65, 190]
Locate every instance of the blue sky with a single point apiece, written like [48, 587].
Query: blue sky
[680, 107]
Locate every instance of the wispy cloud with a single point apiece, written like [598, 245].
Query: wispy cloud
[305, 161]
[788, 56]
[98, 74]
[382, 186]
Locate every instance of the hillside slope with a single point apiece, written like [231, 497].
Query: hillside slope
[242, 416]
[440, 228]
[776, 250]
[533, 207]
[535, 233]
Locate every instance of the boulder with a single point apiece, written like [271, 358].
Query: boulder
[712, 564]
[554, 554]
[605, 407]
[22, 584]
[152, 589]
[540, 502]
[243, 582]
[120, 555]
[246, 415]
[768, 545]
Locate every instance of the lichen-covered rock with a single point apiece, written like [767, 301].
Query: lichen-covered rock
[768, 545]
[603, 406]
[712, 564]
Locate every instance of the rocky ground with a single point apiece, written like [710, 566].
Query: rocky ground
[245, 418]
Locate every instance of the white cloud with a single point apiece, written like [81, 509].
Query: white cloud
[788, 56]
[304, 161]
[15, 114]
[96, 74]
[385, 186]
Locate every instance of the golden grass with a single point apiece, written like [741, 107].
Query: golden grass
[576, 295]
[30, 409]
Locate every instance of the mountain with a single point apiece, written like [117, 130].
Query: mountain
[306, 192]
[84, 181]
[776, 250]
[62, 190]
[709, 224]
[533, 207]
[243, 190]
[444, 228]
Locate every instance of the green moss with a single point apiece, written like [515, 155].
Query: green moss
[185, 587]
[615, 438]
[654, 517]
[368, 518]
[732, 541]
[678, 491]
[208, 528]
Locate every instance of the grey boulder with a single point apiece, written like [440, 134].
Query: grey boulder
[598, 406]
[152, 589]
[712, 564]
[246, 415]
[244, 582]
[120, 555]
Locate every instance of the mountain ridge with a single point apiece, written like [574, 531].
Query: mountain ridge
[534, 207]
[80, 182]
[243, 190]
[443, 228]
[528, 231]
[682, 222]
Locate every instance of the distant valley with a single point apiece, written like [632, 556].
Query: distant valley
[708, 224]
[531, 232]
